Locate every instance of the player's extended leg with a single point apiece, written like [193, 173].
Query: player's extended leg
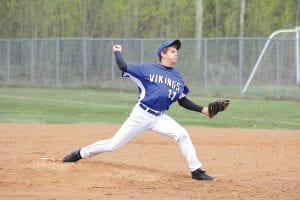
[168, 126]
[126, 132]
[136, 123]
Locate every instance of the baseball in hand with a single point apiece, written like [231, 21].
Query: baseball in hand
[117, 48]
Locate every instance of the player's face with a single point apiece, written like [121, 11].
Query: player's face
[170, 56]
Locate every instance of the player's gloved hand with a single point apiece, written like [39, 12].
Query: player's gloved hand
[217, 106]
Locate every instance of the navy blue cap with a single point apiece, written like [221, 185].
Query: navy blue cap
[167, 44]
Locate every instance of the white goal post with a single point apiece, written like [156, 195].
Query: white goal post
[297, 51]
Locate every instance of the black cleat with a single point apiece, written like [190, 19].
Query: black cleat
[199, 174]
[73, 156]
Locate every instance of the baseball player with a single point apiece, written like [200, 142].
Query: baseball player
[159, 86]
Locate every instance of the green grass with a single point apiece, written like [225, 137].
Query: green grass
[36, 105]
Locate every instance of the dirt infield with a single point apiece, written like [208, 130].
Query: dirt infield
[248, 164]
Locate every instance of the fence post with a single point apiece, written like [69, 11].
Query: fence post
[84, 60]
[297, 55]
[277, 70]
[241, 63]
[142, 51]
[32, 57]
[205, 65]
[8, 62]
[57, 62]
[112, 63]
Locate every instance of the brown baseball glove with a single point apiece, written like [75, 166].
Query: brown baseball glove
[217, 106]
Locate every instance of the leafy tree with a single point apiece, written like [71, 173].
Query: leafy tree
[144, 18]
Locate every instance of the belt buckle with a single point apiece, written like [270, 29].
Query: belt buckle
[157, 114]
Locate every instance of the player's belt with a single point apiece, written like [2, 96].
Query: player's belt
[149, 110]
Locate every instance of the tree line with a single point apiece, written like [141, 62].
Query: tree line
[146, 18]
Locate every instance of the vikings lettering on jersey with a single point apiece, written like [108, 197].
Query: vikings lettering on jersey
[162, 82]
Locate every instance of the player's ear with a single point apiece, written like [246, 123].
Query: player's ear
[160, 56]
[162, 53]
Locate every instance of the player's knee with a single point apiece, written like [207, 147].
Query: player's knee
[182, 134]
[112, 146]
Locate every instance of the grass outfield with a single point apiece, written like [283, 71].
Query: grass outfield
[27, 105]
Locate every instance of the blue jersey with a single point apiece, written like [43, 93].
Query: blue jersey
[159, 86]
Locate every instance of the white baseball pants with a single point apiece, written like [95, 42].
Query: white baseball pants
[139, 121]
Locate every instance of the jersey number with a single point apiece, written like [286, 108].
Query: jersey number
[172, 95]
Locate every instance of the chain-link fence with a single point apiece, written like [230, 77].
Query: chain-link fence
[215, 66]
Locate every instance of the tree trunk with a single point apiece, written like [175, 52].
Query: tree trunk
[199, 20]
[242, 17]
